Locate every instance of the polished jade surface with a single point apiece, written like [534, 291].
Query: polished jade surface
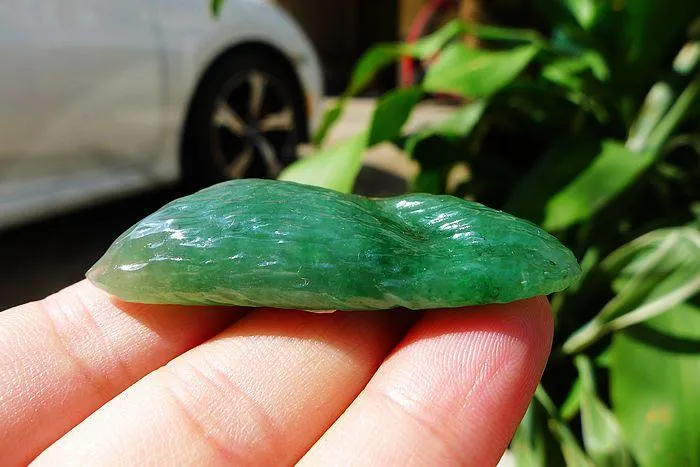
[281, 244]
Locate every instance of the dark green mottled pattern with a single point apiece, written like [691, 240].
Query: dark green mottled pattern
[281, 244]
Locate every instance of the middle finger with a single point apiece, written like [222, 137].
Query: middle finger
[261, 392]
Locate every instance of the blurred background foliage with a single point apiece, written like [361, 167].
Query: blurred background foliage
[590, 127]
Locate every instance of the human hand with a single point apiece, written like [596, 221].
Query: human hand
[88, 380]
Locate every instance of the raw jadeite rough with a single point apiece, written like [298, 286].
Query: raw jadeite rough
[281, 244]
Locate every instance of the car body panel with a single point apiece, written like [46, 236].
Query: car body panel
[95, 94]
[194, 41]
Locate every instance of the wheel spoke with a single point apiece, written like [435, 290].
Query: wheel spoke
[258, 83]
[278, 121]
[269, 156]
[226, 117]
[238, 167]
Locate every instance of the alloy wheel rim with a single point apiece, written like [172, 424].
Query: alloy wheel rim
[252, 126]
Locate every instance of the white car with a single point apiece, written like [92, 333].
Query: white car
[102, 97]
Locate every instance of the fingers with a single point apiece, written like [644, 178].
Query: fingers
[260, 393]
[62, 358]
[452, 393]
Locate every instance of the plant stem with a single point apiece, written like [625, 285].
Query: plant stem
[647, 131]
[674, 116]
[502, 34]
[584, 337]
[656, 307]
[573, 453]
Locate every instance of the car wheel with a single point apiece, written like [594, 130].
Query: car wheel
[246, 120]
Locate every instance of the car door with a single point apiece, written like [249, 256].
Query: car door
[81, 104]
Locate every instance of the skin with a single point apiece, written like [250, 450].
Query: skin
[90, 380]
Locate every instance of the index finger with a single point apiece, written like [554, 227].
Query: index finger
[65, 356]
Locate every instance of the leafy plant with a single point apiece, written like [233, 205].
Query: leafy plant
[591, 130]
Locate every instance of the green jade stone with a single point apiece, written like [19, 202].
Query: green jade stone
[266, 243]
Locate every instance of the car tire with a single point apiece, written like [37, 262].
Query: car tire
[245, 120]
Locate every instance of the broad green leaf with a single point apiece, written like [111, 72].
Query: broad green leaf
[335, 167]
[566, 72]
[655, 382]
[215, 7]
[431, 44]
[585, 11]
[502, 34]
[476, 73]
[366, 69]
[330, 118]
[392, 112]
[612, 171]
[458, 125]
[602, 435]
[461, 123]
[429, 181]
[552, 173]
[378, 57]
[372, 62]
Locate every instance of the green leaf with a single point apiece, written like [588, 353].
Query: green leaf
[476, 73]
[431, 44]
[215, 7]
[651, 275]
[528, 445]
[602, 435]
[335, 167]
[566, 72]
[572, 404]
[569, 72]
[584, 11]
[661, 270]
[429, 181]
[392, 112]
[552, 173]
[330, 118]
[612, 171]
[502, 34]
[655, 382]
[461, 123]
[366, 69]
[571, 450]
[533, 445]
[371, 63]
[379, 57]
[458, 125]
[604, 359]
[675, 115]
[573, 454]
